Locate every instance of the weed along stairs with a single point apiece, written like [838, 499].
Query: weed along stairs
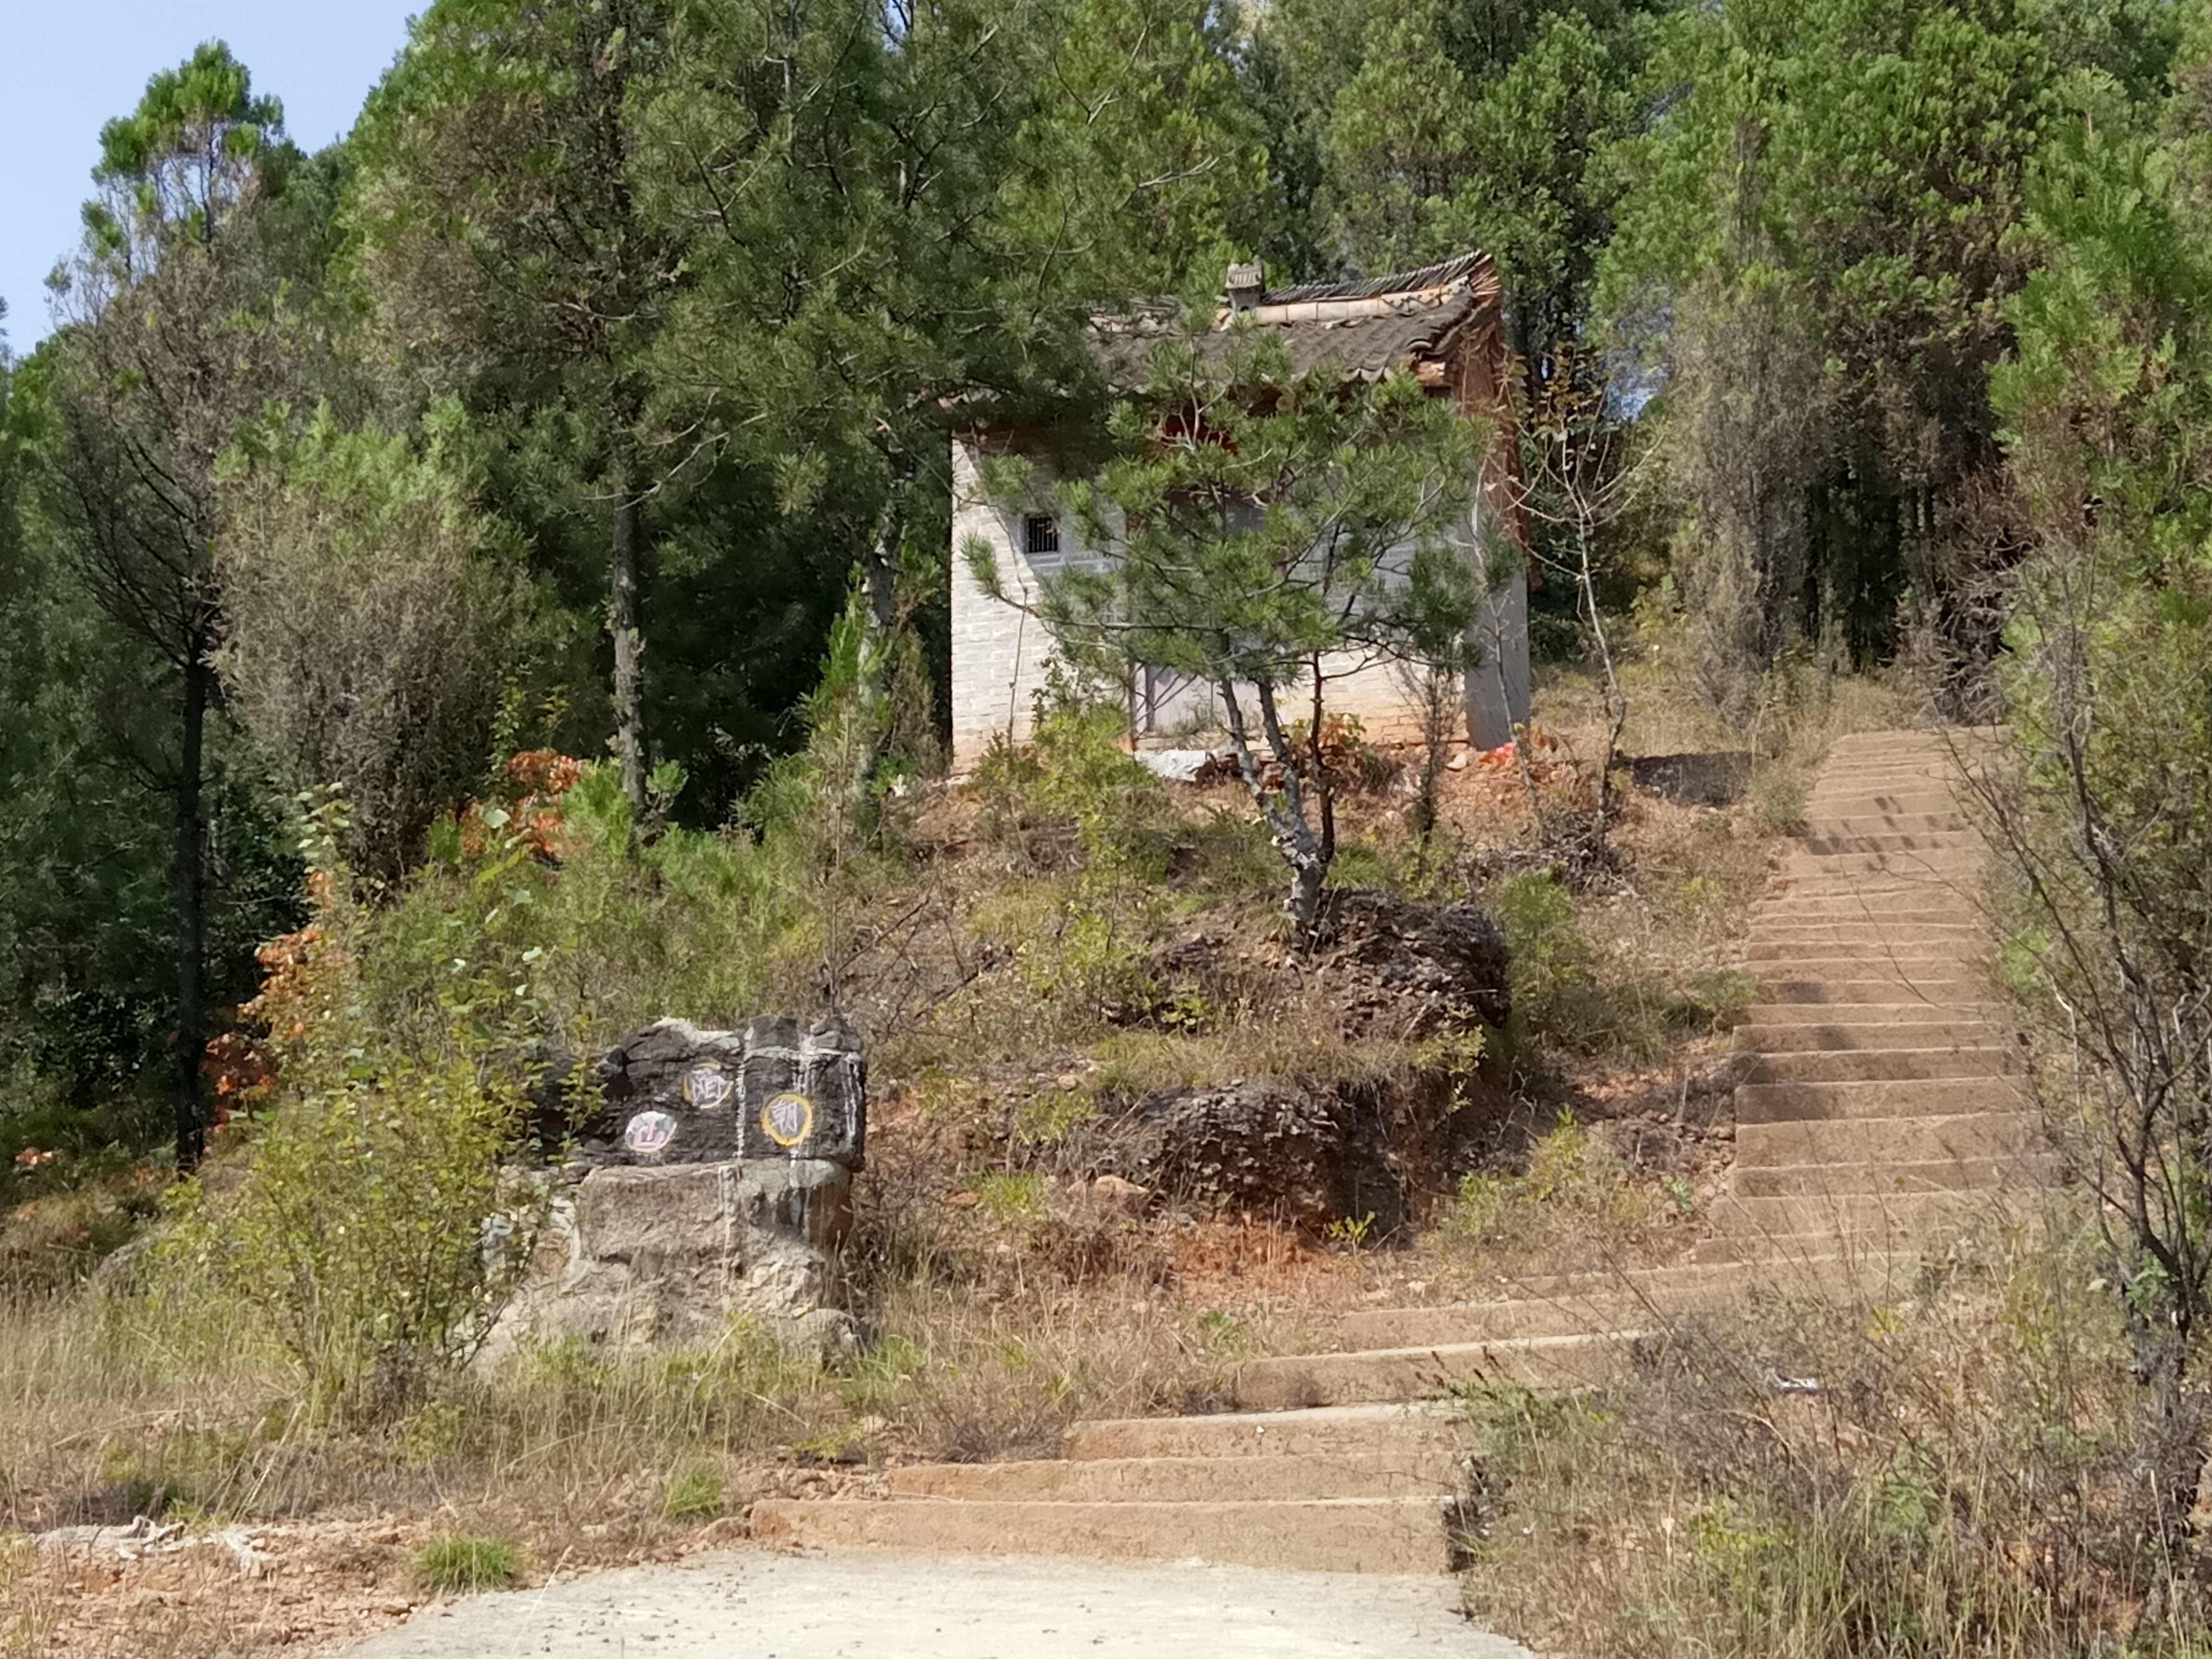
[1878, 1109]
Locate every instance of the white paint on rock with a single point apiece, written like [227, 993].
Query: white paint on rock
[750, 1604]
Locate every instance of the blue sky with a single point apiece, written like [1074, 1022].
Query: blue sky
[66, 66]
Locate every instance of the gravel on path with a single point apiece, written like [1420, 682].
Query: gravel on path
[751, 1604]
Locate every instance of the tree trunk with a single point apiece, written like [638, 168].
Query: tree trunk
[626, 581]
[191, 878]
[1307, 876]
[880, 565]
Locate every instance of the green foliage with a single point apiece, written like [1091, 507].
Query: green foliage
[1401, 142]
[493, 938]
[1144, 171]
[374, 620]
[1015, 1195]
[2106, 815]
[692, 1495]
[1269, 523]
[1830, 214]
[464, 1564]
[1552, 966]
[1574, 1202]
[877, 1377]
[372, 1230]
[1083, 939]
[1570, 994]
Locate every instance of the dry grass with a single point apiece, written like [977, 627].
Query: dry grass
[1946, 1469]
[1004, 1300]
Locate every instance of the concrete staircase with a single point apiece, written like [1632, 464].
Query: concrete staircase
[1881, 1103]
[1880, 1107]
[1343, 1489]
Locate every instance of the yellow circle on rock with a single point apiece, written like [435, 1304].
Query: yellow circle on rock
[788, 1119]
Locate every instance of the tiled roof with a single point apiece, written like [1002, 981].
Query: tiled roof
[1466, 268]
[1367, 328]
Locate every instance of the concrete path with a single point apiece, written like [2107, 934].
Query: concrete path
[751, 1604]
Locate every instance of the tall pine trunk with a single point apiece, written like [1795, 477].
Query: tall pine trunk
[190, 881]
[624, 608]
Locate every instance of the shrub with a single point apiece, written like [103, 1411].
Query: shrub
[1575, 1197]
[1085, 940]
[544, 922]
[461, 1563]
[371, 1229]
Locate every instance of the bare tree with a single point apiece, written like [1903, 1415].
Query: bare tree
[1584, 469]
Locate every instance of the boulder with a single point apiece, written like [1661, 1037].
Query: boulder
[681, 1256]
[1410, 971]
[711, 1190]
[1303, 1154]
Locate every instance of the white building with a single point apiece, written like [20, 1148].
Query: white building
[1442, 324]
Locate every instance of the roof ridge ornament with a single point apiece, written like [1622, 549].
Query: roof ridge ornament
[1247, 282]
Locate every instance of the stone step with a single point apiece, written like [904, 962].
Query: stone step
[1785, 1102]
[1851, 1181]
[1405, 1535]
[1893, 1065]
[1637, 1298]
[1886, 823]
[1920, 942]
[1872, 780]
[1871, 1219]
[1182, 1479]
[1909, 866]
[1915, 970]
[1580, 1361]
[1941, 910]
[1824, 844]
[1878, 803]
[1893, 890]
[1836, 1036]
[1888, 773]
[1911, 771]
[1942, 995]
[1328, 1432]
[1786, 1016]
[1898, 1140]
[1620, 1303]
[1904, 777]
[1771, 935]
[1748, 1252]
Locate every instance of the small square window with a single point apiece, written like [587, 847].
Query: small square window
[1040, 534]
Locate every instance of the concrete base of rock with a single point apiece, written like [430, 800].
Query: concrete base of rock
[687, 1256]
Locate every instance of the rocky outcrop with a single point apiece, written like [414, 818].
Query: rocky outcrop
[1308, 1154]
[1411, 970]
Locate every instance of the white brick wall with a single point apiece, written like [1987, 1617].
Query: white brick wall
[1001, 654]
